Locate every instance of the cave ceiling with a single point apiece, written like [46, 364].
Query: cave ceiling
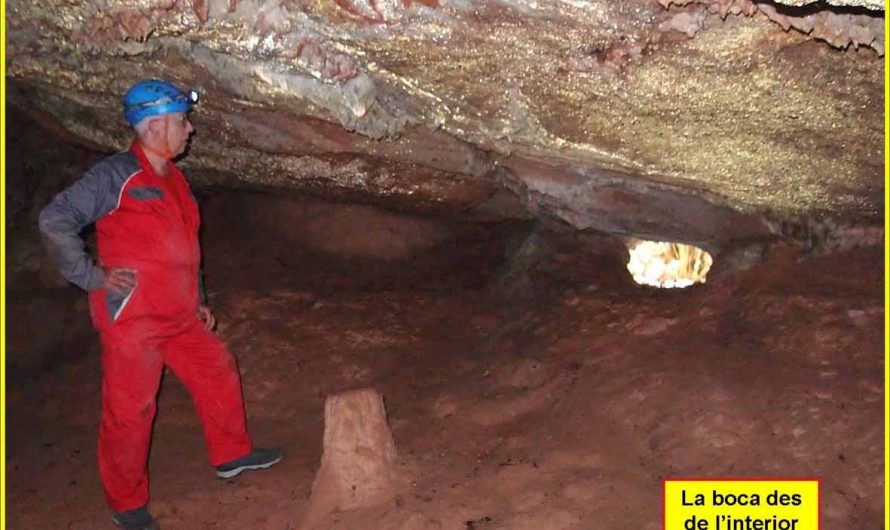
[692, 120]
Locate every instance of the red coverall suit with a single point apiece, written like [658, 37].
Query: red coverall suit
[148, 224]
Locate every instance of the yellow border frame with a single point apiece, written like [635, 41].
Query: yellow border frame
[3, 275]
[886, 282]
[3, 271]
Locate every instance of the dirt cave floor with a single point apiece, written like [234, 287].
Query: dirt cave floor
[558, 400]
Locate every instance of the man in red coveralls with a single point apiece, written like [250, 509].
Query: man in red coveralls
[147, 302]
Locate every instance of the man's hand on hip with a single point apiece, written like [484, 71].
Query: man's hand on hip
[120, 280]
[206, 316]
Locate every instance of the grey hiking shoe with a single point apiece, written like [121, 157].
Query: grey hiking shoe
[256, 459]
[138, 519]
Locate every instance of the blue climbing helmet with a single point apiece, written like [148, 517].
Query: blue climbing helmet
[153, 97]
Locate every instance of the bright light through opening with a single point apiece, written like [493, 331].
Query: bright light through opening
[665, 264]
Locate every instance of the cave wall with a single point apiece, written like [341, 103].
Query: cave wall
[709, 122]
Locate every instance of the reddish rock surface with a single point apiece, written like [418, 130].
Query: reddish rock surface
[559, 401]
[700, 121]
[528, 383]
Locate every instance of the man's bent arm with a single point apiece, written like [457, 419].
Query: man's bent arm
[61, 221]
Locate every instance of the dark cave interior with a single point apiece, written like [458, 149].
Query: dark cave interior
[529, 382]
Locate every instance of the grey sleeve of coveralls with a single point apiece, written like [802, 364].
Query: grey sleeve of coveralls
[67, 214]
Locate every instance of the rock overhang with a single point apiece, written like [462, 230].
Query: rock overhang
[704, 122]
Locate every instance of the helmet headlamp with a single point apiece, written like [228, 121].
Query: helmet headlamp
[153, 98]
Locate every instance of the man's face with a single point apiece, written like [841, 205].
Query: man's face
[179, 128]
